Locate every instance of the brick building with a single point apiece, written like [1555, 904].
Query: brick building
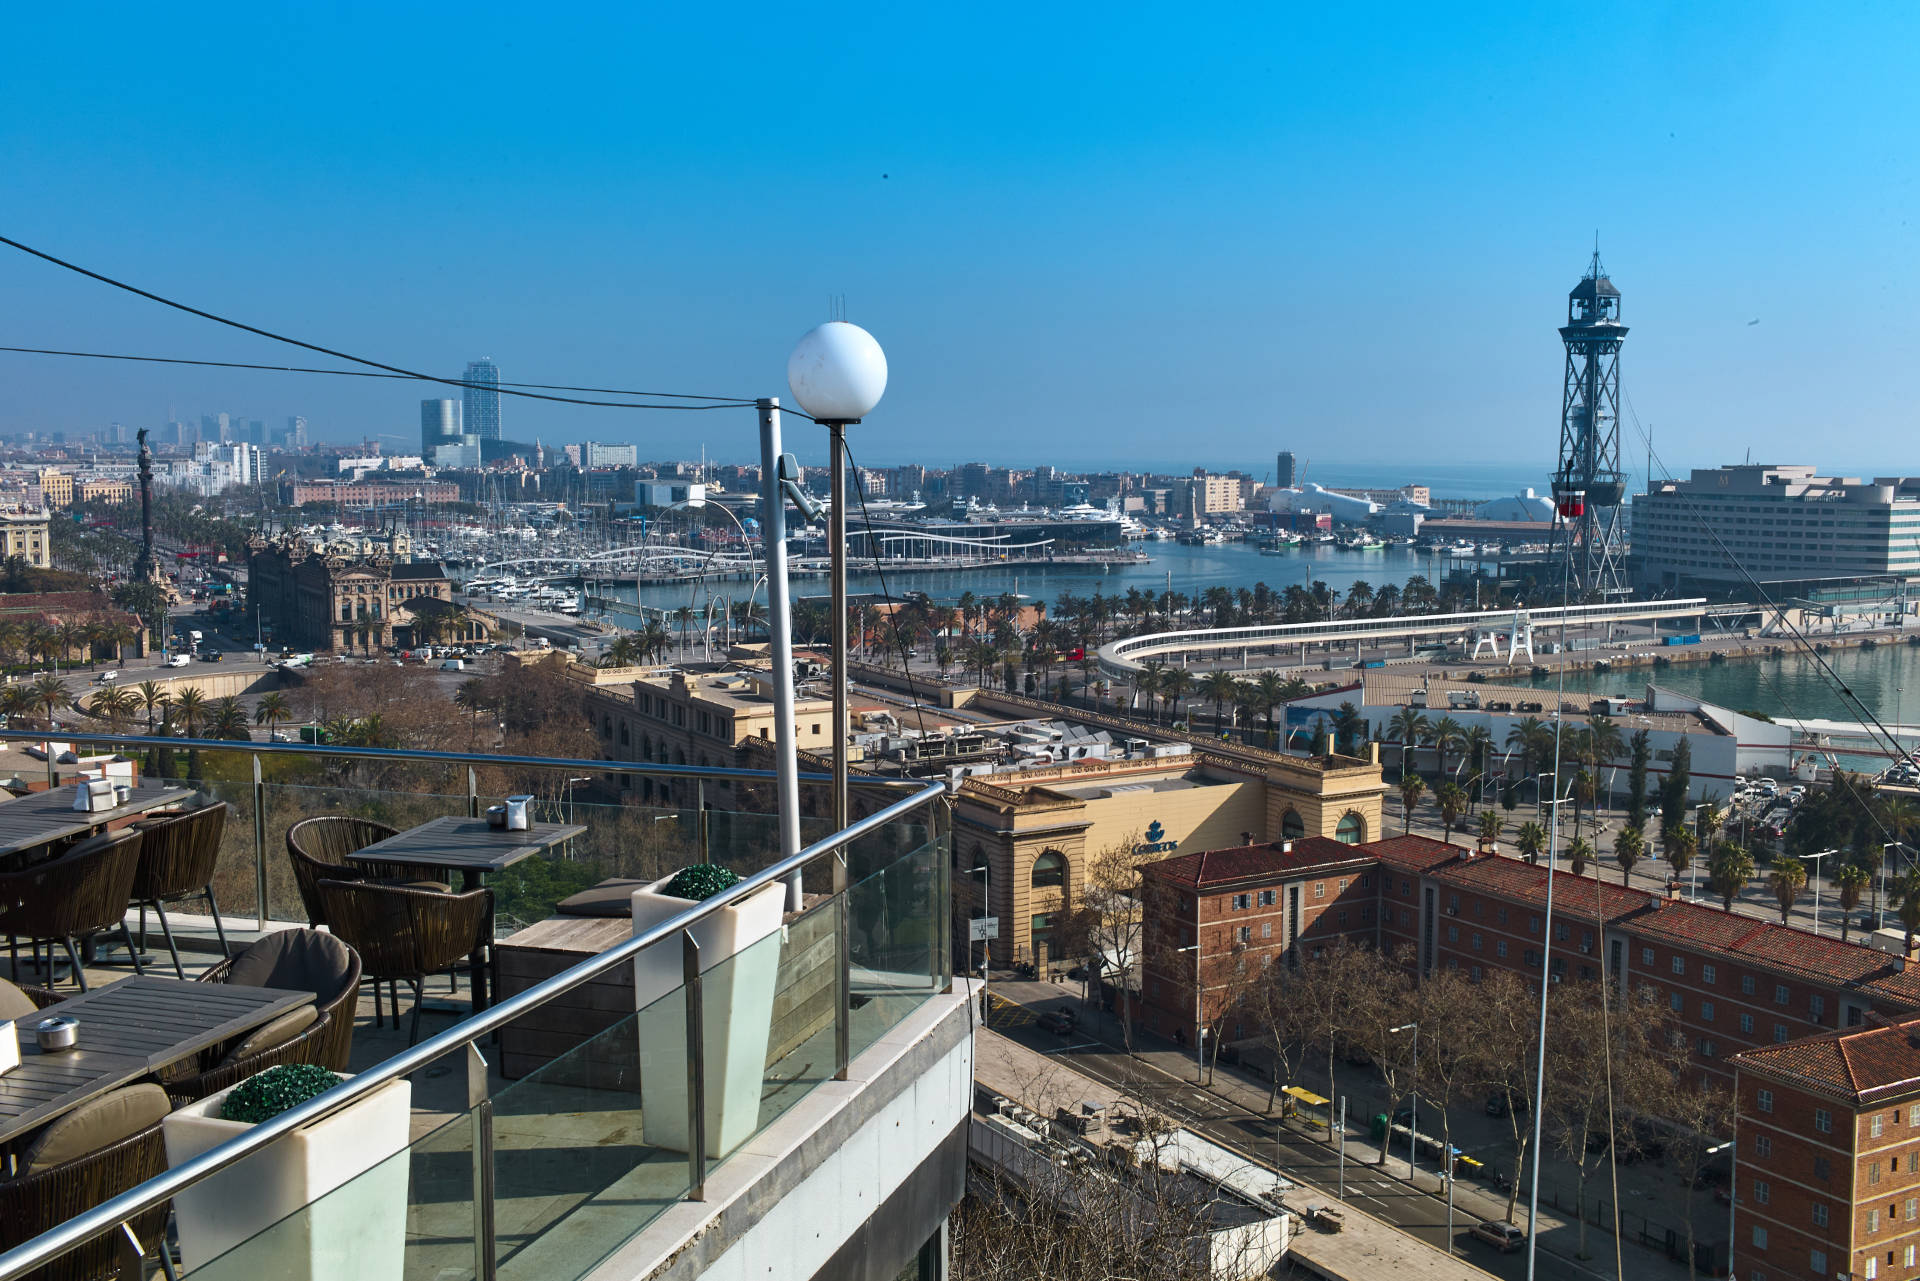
[1827, 1172]
[1246, 907]
[1732, 982]
[368, 493]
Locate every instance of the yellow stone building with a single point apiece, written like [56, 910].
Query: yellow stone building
[24, 534]
[56, 488]
[1036, 831]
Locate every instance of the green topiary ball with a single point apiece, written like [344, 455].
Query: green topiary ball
[701, 881]
[260, 1098]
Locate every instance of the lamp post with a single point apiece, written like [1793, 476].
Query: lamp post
[986, 947]
[1816, 883]
[838, 373]
[773, 536]
[1199, 1023]
[1413, 1118]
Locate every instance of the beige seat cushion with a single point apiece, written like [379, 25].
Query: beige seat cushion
[115, 1115]
[15, 1004]
[609, 898]
[278, 1032]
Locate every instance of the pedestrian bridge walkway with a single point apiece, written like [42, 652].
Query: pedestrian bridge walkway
[1123, 659]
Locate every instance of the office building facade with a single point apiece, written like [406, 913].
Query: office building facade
[439, 425]
[482, 400]
[1784, 525]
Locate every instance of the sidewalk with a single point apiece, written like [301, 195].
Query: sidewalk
[1473, 1201]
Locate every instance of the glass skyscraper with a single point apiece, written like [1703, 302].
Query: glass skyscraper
[483, 402]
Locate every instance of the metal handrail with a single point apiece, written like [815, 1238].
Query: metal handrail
[411, 754]
[109, 1215]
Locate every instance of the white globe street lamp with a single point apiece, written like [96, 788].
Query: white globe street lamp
[838, 373]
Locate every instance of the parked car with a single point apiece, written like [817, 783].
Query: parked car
[1059, 1022]
[1502, 1236]
[210, 656]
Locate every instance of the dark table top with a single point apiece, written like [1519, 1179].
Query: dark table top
[40, 818]
[127, 1030]
[466, 843]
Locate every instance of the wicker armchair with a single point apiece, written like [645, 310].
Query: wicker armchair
[177, 857]
[40, 1202]
[84, 891]
[301, 960]
[405, 934]
[319, 849]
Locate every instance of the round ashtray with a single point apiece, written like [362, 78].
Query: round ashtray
[60, 1032]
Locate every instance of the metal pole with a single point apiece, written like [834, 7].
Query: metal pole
[837, 553]
[1199, 1025]
[259, 847]
[480, 1106]
[773, 536]
[696, 1070]
[843, 983]
[1343, 1147]
[1413, 1116]
[473, 792]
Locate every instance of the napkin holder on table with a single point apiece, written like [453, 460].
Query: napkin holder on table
[92, 794]
[9, 1046]
[517, 812]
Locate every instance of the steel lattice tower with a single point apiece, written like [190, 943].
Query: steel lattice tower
[1587, 484]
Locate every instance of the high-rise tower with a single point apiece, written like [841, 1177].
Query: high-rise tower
[483, 400]
[1588, 485]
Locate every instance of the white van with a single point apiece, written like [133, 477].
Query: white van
[453, 665]
[180, 660]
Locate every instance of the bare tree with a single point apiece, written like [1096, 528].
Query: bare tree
[1273, 1008]
[1443, 1004]
[1331, 983]
[1106, 923]
[1389, 1006]
[1501, 1030]
[1698, 1112]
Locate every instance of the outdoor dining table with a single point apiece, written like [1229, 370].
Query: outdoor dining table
[473, 848]
[128, 1030]
[40, 818]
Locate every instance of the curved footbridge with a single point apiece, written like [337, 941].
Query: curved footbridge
[1506, 631]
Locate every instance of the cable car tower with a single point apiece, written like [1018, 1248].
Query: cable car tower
[1587, 484]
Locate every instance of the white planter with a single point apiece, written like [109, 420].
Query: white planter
[358, 1231]
[737, 1007]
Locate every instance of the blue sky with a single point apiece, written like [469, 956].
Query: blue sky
[1085, 235]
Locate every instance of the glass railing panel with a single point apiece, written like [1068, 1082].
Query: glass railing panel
[590, 1147]
[408, 1216]
[895, 947]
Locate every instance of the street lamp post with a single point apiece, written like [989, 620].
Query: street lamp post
[1413, 1118]
[1199, 1024]
[773, 535]
[838, 373]
[1816, 884]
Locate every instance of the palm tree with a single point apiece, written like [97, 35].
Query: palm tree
[1491, 825]
[1522, 738]
[1681, 848]
[1906, 896]
[1452, 799]
[1579, 852]
[1221, 688]
[113, 705]
[1478, 744]
[1175, 684]
[1409, 728]
[1728, 872]
[190, 705]
[50, 695]
[151, 694]
[1788, 878]
[271, 710]
[1411, 786]
[1530, 840]
[229, 720]
[1349, 728]
[1270, 692]
[1629, 847]
[1447, 735]
[1148, 684]
[1850, 885]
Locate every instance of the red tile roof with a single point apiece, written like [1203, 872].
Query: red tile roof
[1257, 862]
[1861, 1064]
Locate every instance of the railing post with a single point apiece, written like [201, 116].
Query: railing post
[473, 793]
[700, 818]
[480, 1110]
[843, 979]
[696, 1070]
[259, 844]
[129, 1258]
[940, 940]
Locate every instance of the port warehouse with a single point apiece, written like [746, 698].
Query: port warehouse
[1725, 745]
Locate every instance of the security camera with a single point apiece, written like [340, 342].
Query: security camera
[789, 475]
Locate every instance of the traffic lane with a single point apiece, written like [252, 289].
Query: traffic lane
[1266, 1142]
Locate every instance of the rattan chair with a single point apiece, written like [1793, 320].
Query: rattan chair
[177, 857]
[319, 849]
[84, 891]
[300, 960]
[40, 1202]
[406, 934]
